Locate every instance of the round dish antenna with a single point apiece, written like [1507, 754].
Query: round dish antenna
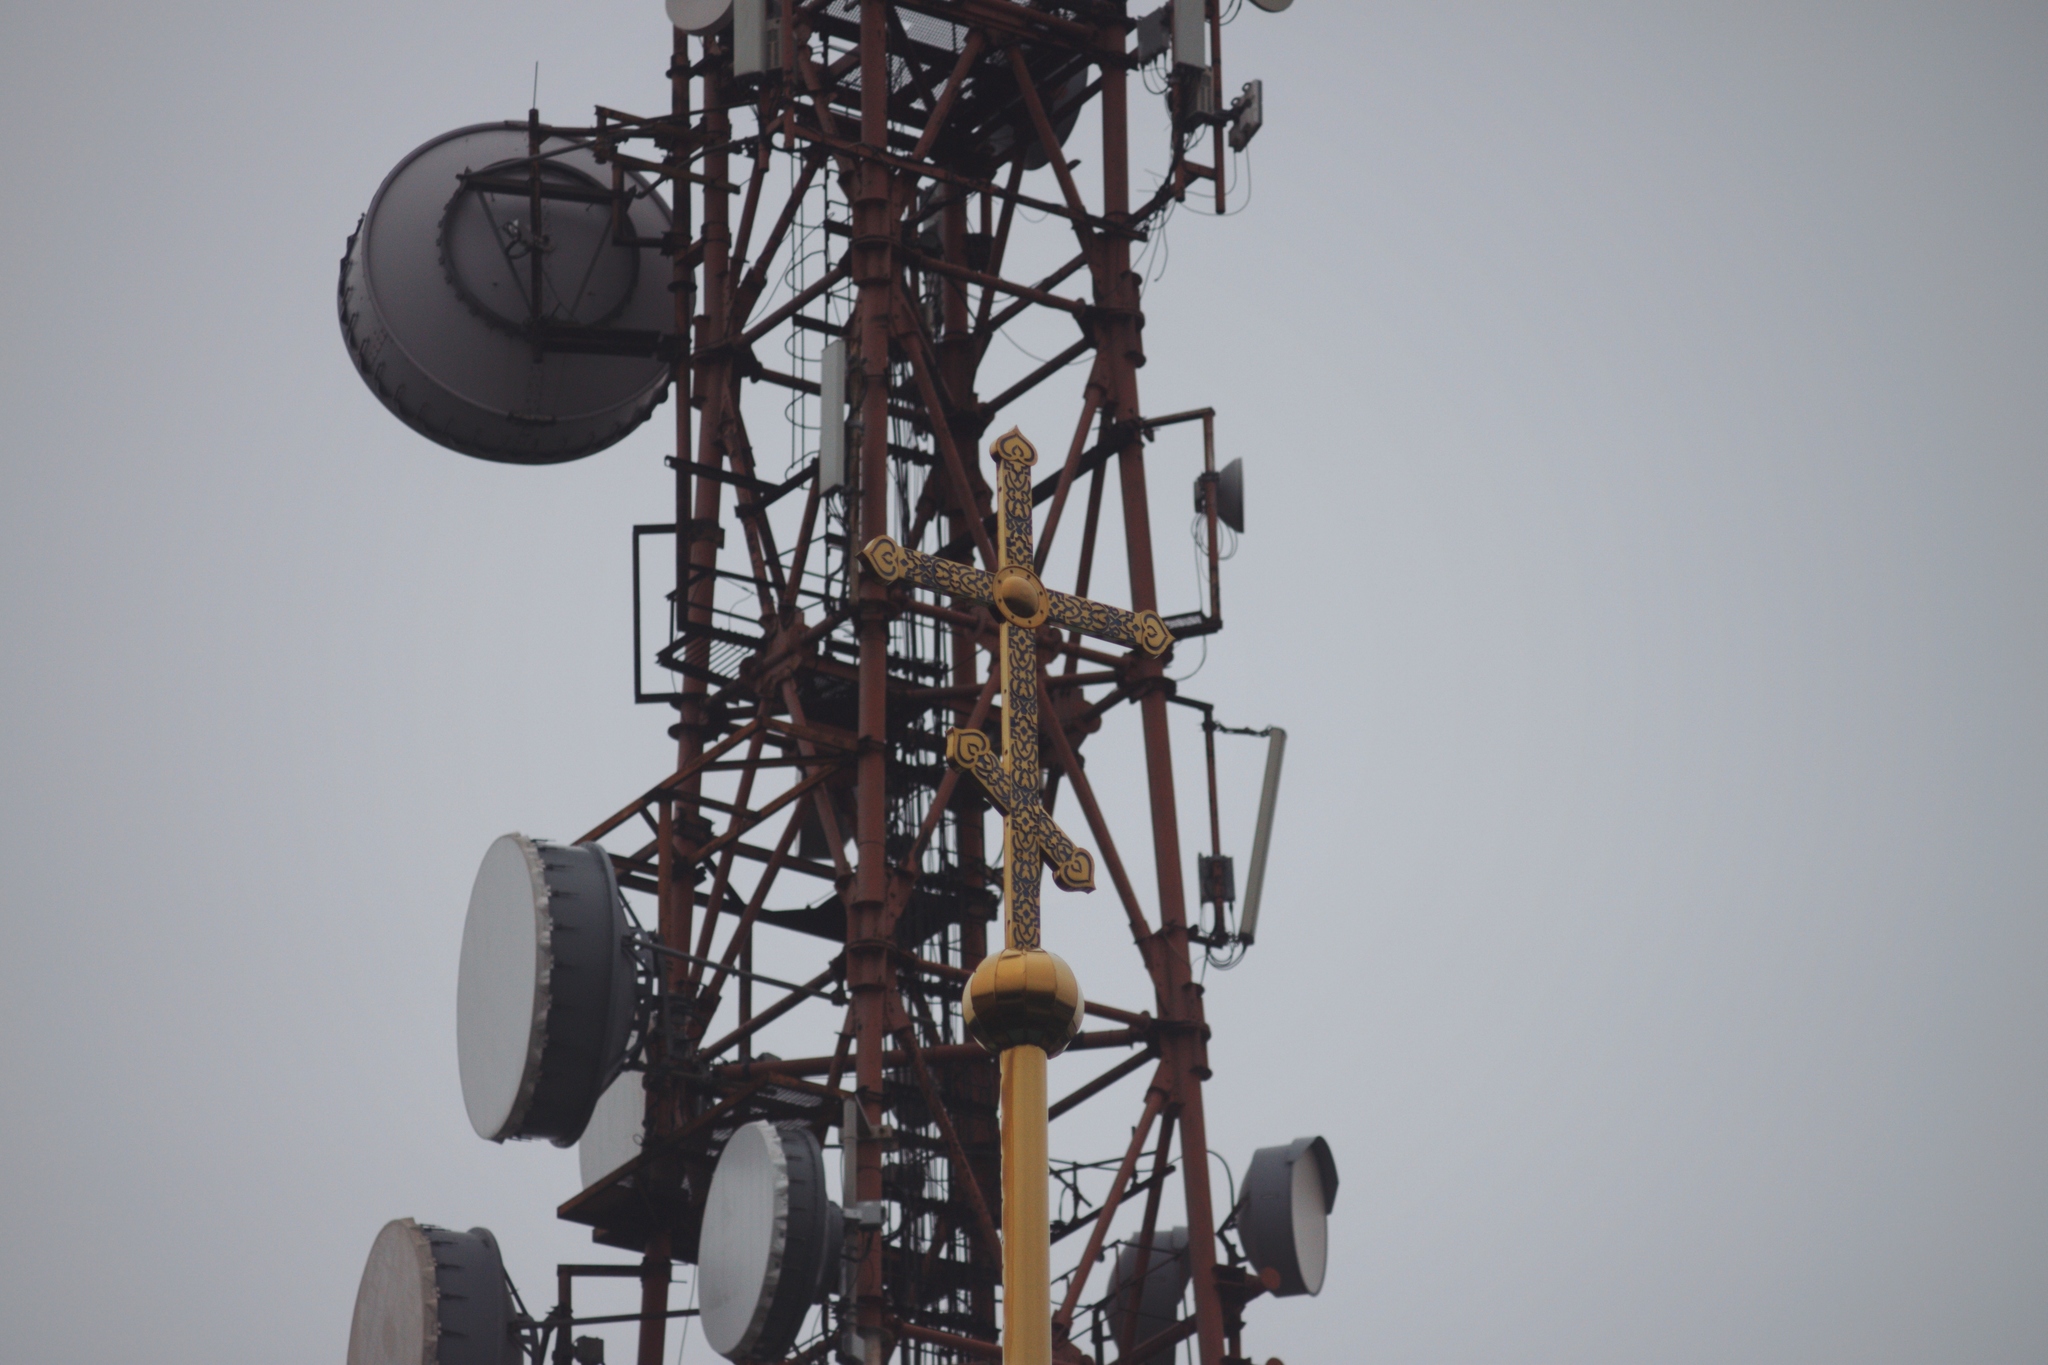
[617, 1128]
[768, 1243]
[545, 997]
[1230, 495]
[498, 331]
[430, 1296]
[1272, 6]
[699, 16]
[1062, 103]
[1158, 1303]
[1283, 1213]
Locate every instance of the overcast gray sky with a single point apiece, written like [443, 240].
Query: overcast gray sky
[1643, 415]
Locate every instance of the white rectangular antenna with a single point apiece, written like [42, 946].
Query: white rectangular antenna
[1190, 33]
[832, 418]
[1262, 837]
[756, 36]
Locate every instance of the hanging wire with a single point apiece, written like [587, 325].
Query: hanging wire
[1226, 541]
[1229, 1175]
[1233, 950]
[1241, 167]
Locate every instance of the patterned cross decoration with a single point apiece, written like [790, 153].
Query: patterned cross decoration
[1031, 840]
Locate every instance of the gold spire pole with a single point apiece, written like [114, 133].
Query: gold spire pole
[1022, 1002]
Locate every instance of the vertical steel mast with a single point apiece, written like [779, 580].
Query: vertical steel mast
[848, 180]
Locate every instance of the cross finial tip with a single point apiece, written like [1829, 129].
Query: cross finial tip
[1013, 445]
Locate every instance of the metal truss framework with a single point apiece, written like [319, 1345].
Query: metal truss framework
[824, 698]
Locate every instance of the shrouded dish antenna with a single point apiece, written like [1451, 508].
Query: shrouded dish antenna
[546, 995]
[430, 1296]
[1272, 6]
[1158, 1303]
[1230, 496]
[1283, 1213]
[770, 1237]
[448, 325]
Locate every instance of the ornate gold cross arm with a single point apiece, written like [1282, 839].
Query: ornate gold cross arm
[1072, 866]
[1015, 592]
[892, 563]
[1139, 630]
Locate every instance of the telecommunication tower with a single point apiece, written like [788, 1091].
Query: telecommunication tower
[862, 662]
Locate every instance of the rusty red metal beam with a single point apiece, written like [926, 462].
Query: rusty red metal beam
[1155, 1099]
[963, 1171]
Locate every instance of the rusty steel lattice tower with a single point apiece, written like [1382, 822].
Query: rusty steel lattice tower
[846, 192]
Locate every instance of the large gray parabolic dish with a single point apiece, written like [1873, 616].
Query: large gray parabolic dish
[430, 1296]
[436, 308]
[768, 1241]
[545, 998]
[1283, 1213]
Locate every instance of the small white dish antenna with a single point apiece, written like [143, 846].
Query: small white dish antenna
[431, 1296]
[617, 1128]
[1230, 495]
[768, 1243]
[1283, 1213]
[699, 16]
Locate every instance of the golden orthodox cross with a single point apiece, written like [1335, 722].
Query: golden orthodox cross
[1022, 1002]
[1031, 840]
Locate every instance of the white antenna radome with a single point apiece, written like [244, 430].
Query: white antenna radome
[1262, 837]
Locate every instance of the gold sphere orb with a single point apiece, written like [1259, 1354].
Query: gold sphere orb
[1023, 996]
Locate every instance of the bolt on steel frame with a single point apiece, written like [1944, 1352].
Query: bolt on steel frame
[870, 175]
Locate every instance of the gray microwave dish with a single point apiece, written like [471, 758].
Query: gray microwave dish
[770, 1241]
[436, 307]
[433, 1296]
[546, 992]
[1283, 1213]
